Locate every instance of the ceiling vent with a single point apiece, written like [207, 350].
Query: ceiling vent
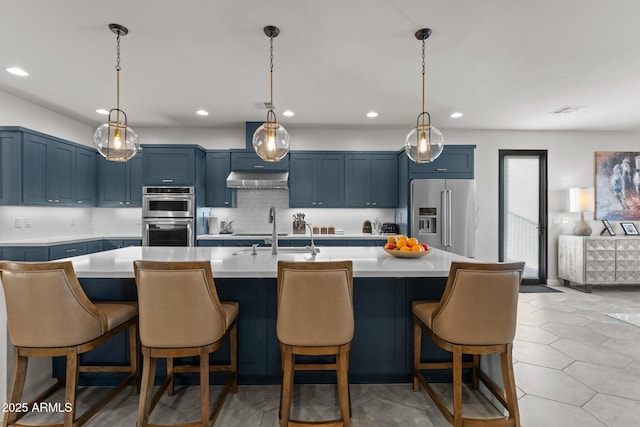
[567, 109]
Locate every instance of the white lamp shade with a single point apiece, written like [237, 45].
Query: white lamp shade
[581, 199]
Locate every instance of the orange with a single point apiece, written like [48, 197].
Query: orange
[412, 242]
[402, 243]
[417, 248]
[405, 248]
[392, 239]
[401, 236]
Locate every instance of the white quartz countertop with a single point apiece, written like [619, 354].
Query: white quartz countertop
[227, 262]
[260, 236]
[59, 240]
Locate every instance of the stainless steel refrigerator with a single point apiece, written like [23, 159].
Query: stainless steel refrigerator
[443, 214]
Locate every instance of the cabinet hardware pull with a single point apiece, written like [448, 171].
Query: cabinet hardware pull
[57, 201]
[167, 180]
[319, 203]
[68, 251]
[50, 200]
[367, 203]
[127, 203]
[226, 203]
[258, 166]
[79, 201]
[441, 169]
[122, 203]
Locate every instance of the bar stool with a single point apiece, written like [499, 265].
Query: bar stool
[48, 315]
[476, 315]
[315, 317]
[181, 316]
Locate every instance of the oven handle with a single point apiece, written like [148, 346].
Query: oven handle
[148, 221]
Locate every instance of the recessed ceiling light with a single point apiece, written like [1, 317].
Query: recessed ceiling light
[102, 111]
[567, 109]
[202, 112]
[456, 115]
[288, 113]
[372, 114]
[17, 71]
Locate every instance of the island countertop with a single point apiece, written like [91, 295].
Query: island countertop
[229, 262]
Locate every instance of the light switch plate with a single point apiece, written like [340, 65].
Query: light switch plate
[565, 220]
[19, 222]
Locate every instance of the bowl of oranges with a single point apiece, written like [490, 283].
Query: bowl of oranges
[405, 247]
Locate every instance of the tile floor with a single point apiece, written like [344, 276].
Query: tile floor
[574, 366]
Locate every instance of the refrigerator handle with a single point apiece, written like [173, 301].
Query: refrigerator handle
[449, 220]
[444, 217]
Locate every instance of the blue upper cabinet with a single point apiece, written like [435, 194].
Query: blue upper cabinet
[218, 166]
[120, 183]
[371, 180]
[316, 180]
[86, 177]
[48, 171]
[10, 167]
[162, 165]
[456, 161]
[248, 160]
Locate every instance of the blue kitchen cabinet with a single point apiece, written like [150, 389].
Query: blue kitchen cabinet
[24, 253]
[248, 161]
[455, 162]
[120, 183]
[367, 242]
[209, 243]
[67, 250]
[109, 244]
[316, 180]
[162, 165]
[371, 180]
[94, 246]
[243, 243]
[218, 167]
[10, 167]
[85, 177]
[48, 171]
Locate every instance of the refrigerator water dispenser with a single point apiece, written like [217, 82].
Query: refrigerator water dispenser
[427, 221]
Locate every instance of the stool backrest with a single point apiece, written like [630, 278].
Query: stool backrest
[46, 306]
[178, 304]
[315, 303]
[479, 304]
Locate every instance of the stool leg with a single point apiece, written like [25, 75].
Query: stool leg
[342, 363]
[71, 387]
[509, 382]
[146, 392]
[475, 381]
[287, 385]
[19, 375]
[204, 388]
[233, 343]
[457, 386]
[133, 356]
[170, 375]
[417, 345]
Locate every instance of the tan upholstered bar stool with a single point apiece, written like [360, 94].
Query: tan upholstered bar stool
[476, 315]
[49, 315]
[315, 317]
[181, 316]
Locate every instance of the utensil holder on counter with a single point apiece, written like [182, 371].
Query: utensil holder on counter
[299, 227]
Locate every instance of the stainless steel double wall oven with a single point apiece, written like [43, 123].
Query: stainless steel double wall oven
[168, 216]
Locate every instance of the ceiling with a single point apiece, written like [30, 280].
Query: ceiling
[505, 64]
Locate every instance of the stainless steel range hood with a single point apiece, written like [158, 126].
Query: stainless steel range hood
[255, 180]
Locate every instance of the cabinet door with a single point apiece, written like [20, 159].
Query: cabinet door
[85, 177]
[218, 167]
[169, 166]
[10, 168]
[302, 176]
[384, 180]
[249, 161]
[61, 170]
[357, 180]
[94, 246]
[133, 182]
[329, 180]
[35, 175]
[454, 162]
[67, 250]
[112, 182]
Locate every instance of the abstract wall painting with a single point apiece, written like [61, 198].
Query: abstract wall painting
[617, 186]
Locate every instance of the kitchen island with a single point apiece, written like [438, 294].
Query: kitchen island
[384, 287]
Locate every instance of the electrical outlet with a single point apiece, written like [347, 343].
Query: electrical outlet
[565, 220]
[19, 222]
[27, 223]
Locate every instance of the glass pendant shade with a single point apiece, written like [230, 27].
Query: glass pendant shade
[115, 140]
[271, 141]
[424, 143]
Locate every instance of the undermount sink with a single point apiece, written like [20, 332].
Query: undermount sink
[258, 234]
[294, 250]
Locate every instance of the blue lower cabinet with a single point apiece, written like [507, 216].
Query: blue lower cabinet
[243, 243]
[367, 242]
[109, 244]
[67, 250]
[209, 243]
[20, 253]
[94, 246]
[131, 242]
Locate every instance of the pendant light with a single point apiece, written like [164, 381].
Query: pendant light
[271, 139]
[115, 140]
[425, 142]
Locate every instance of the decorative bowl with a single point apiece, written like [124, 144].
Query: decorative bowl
[407, 254]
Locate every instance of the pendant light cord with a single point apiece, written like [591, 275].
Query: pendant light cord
[271, 75]
[423, 82]
[118, 79]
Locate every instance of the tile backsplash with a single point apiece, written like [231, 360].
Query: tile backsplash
[250, 216]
